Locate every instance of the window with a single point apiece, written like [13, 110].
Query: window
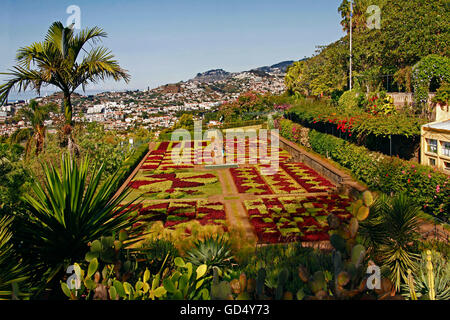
[447, 165]
[446, 148]
[432, 162]
[432, 145]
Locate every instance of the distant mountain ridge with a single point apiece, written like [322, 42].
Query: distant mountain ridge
[220, 74]
[280, 67]
[212, 75]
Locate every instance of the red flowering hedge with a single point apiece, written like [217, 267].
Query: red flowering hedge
[177, 182]
[175, 213]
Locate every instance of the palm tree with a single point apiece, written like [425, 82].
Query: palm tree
[390, 232]
[36, 115]
[57, 61]
[359, 13]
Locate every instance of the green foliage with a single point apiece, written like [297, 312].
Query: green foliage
[12, 271]
[158, 252]
[130, 163]
[248, 106]
[321, 74]
[350, 100]
[362, 123]
[442, 94]
[430, 67]
[186, 283]
[409, 31]
[412, 30]
[213, 251]
[425, 187]
[69, 210]
[13, 178]
[36, 115]
[102, 146]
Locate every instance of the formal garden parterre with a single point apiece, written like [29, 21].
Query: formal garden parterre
[177, 194]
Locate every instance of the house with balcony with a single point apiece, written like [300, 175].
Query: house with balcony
[435, 145]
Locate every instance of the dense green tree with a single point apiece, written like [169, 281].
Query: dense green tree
[414, 29]
[409, 31]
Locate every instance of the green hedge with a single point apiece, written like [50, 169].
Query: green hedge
[402, 124]
[131, 162]
[427, 187]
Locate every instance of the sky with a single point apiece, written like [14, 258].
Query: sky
[161, 42]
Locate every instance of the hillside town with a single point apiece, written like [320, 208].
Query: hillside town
[156, 108]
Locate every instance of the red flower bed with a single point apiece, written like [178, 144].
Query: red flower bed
[139, 183]
[163, 146]
[249, 175]
[307, 176]
[280, 225]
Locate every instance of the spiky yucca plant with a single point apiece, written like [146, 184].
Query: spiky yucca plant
[69, 210]
[212, 251]
[11, 271]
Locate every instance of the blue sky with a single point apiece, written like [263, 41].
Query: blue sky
[169, 41]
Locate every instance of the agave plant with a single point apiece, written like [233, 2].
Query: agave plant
[419, 287]
[11, 271]
[211, 251]
[69, 210]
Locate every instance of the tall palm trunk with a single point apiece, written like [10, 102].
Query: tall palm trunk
[67, 105]
[39, 137]
[67, 108]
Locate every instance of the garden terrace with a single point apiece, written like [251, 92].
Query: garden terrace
[291, 204]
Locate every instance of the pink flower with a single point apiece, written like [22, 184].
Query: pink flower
[403, 172]
[409, 180]
[438, 189]
[429, 175]
[413, 166]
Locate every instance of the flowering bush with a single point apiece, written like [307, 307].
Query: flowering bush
[383, 104]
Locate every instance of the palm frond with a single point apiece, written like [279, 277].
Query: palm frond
[21, 79]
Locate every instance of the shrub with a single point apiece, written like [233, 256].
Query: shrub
[159, 252]
[349, 100]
